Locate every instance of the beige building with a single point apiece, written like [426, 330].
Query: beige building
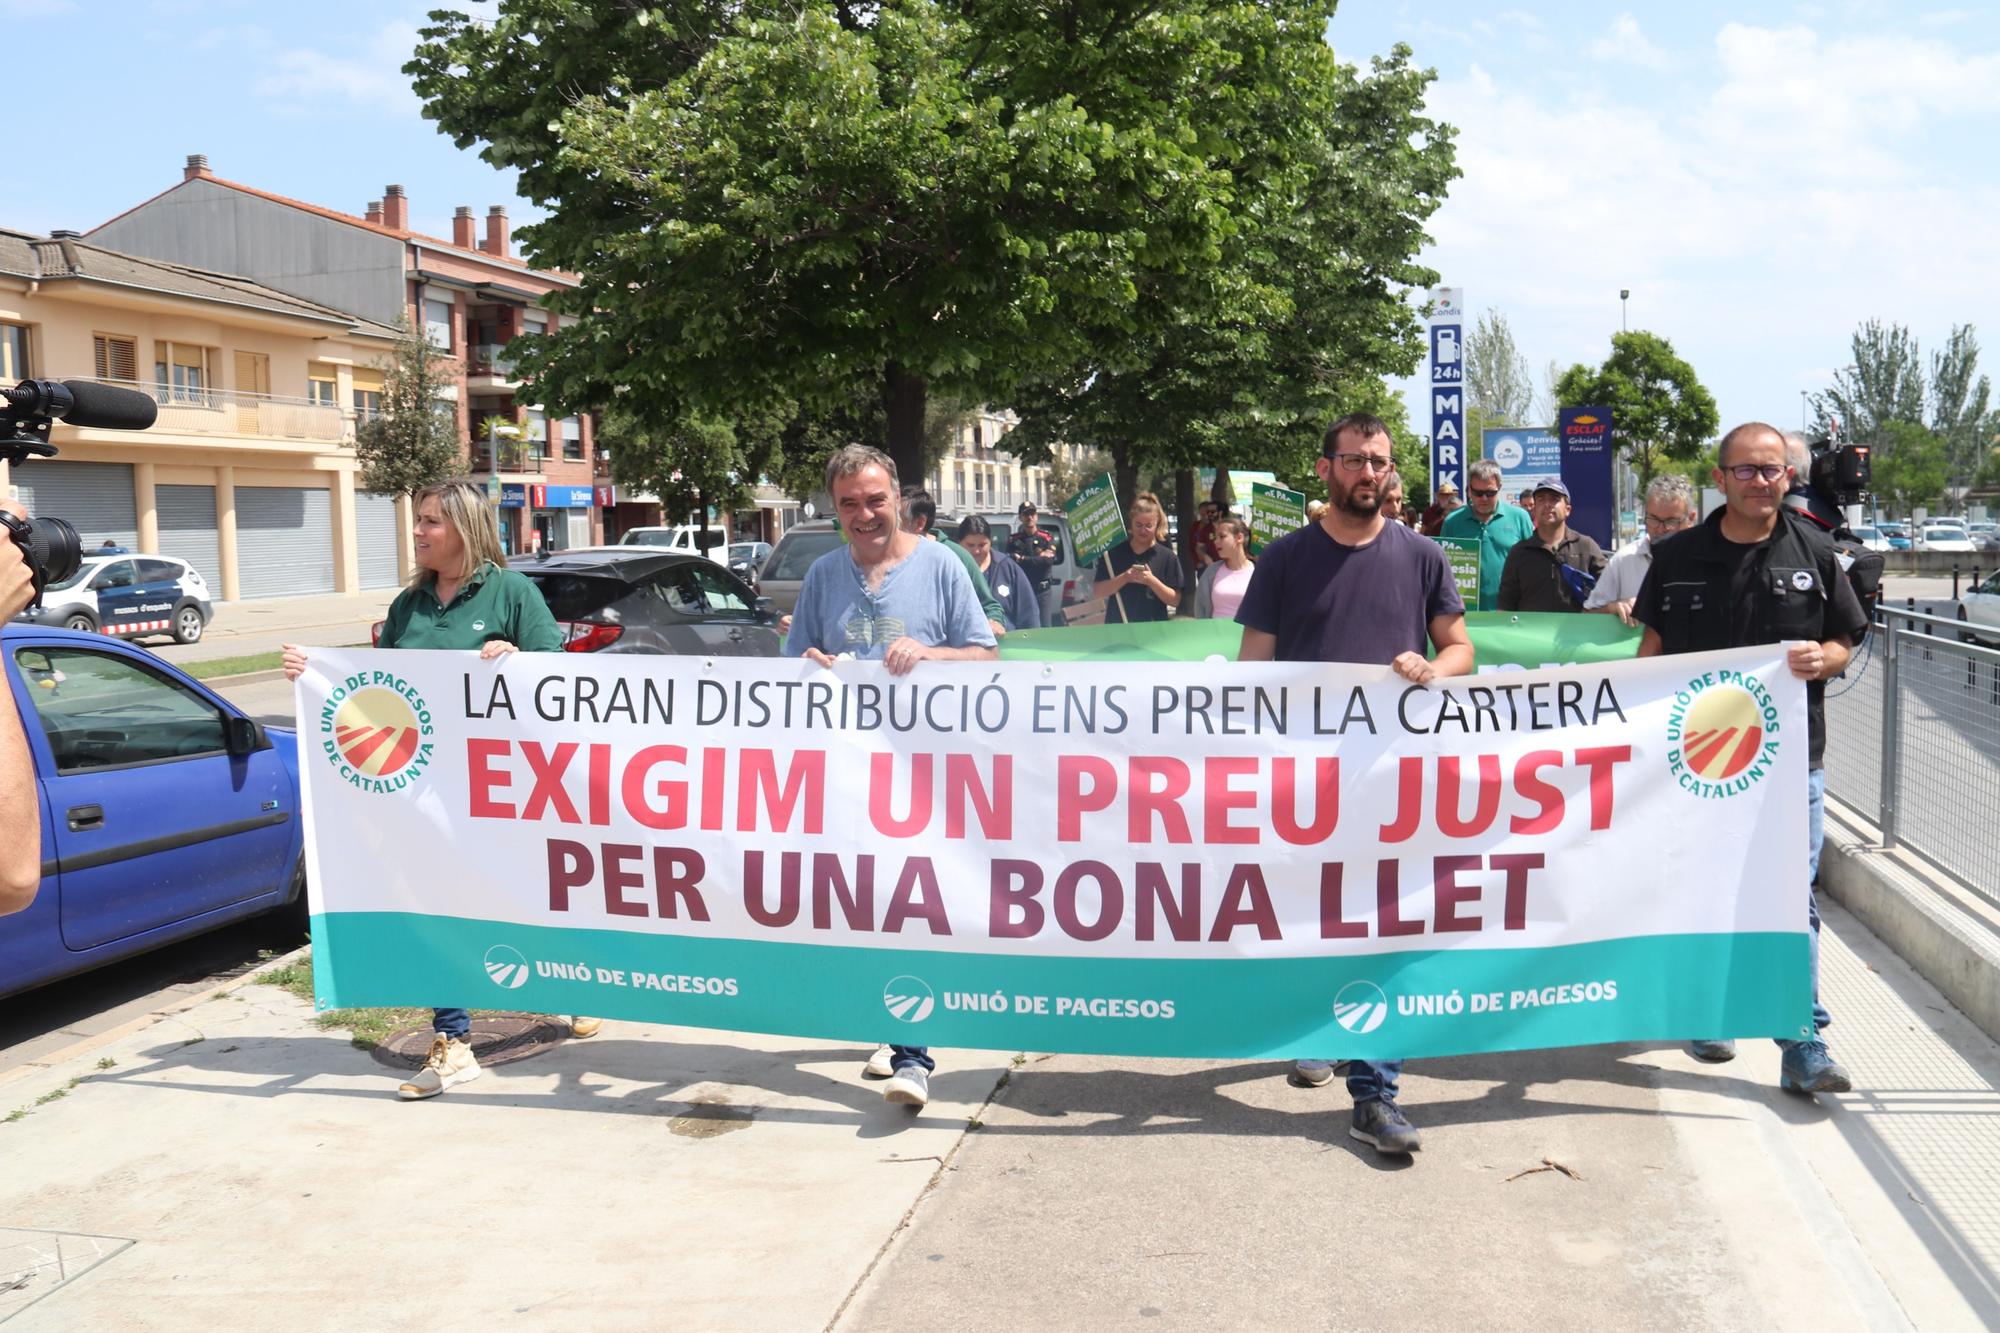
[978, 476]
[249, 473]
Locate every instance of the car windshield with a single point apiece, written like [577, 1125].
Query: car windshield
[83, 573]
[648, 537]
[1866, 534]
[578, 596]
[796, 553]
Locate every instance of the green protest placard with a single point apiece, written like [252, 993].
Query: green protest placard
[1096, 524]
[1462, 553]
[1274, 511]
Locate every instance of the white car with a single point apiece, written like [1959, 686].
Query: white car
[686, 538]
[128, 595]
[1871, 538]
[1947, 537]
[1980, 606]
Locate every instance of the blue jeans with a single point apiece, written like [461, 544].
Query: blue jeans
[1815, 835]
[453, 1023]
[1373, 1080]
[902, 1057]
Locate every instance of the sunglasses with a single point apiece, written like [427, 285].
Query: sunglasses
[1484, 495]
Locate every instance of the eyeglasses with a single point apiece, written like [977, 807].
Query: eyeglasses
[1754, 471]
[1355, 462]
[1677, 521]
[1484, 495]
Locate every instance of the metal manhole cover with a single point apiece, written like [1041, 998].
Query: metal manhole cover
[497, 1039]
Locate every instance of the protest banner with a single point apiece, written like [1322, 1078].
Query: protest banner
[1275, 512]
[1167, 859]
[1096, 523]
[1462, 553]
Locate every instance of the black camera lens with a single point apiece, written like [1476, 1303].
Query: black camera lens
[50, 546]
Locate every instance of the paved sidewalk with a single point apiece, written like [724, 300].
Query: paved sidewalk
[262, 626]
[233, 1166]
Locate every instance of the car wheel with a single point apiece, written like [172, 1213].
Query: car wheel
[81, 622]
[188, 624]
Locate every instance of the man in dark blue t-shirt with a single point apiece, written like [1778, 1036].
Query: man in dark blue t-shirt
[1354, 587]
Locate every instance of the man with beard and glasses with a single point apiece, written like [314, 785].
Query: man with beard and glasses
[1355, 587]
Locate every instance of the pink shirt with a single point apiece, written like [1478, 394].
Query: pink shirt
[1227, 594]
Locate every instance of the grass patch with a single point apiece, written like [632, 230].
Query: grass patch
[234, 666]
[367, 1028]
[54, 1096]
[18, 1113]
[107, 1063]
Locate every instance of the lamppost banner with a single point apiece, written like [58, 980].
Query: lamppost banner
[1208, 859]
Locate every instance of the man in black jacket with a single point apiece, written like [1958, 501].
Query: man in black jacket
[1541, 573]
[1756, 573]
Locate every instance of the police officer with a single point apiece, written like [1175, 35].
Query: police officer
[1756, 573]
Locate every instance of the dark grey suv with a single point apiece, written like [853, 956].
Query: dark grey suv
[640, 599]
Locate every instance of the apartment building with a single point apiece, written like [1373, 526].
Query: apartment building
[978, 475]
[250, 473]
[470, 294]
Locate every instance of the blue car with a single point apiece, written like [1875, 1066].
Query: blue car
[165, 811]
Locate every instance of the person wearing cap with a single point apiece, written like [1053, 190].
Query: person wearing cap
[1554, 569]
[1432, 522]
[1035, 552]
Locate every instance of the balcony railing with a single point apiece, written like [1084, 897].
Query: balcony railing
[185, 411]
[508, 455]
[492, 359]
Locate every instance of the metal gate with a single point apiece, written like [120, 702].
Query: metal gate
[187, 530]
[375, 538]
[96, 498]
[284, 541]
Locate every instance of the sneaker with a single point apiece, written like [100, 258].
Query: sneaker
[1713, 1052]
[1318, 1073]
[580, 1027]
[1807, 1067]
[451, 1062]
[881, 1064]
[911, 1086]
[1382, 1124]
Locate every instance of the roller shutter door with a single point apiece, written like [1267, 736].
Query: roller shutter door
[187, 530]
[375, 535]
[284, 541]
[96, 498]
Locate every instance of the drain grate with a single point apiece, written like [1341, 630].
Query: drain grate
[497, 1039]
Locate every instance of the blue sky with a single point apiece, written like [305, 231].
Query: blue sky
[1762, 177]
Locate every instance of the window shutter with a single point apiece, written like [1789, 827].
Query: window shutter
[117, 358]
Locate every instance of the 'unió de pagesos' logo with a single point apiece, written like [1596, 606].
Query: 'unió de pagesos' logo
[375, 730]
[1360, 1007]
[1722, 734]
[908, 999]
[506, 968]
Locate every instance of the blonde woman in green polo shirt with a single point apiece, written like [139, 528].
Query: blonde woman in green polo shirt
[463, 597]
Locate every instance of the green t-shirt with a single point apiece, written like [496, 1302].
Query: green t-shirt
[1509, 526]
[494, 603]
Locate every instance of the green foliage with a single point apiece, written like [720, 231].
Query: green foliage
[1660, 411]
[1887, 385]
[1884, 383]
[1911, 465]
[1497, 382]
[414, 443]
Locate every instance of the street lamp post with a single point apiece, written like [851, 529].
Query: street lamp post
[1624, 294]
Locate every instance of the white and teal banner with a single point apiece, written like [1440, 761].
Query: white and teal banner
[1136, 857]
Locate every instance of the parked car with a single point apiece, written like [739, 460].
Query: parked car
[1979, 606]
[644, 600]
[785, 568]
[1871, 538]
[1985, 536]
[1896, 534]
[1948, 537]
[165, 811]
[686, 538]
[130, 596]
[754, 553]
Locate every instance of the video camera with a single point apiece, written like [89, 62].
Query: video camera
[28, 411]
[1838, 478]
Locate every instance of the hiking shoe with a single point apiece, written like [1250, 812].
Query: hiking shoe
[1382, 1124]
[451, 1062]
[1317, 1073]
[881, 1064]
[580, 1027]
[911, 1086]
[1713, 1052]
[1807, 1067]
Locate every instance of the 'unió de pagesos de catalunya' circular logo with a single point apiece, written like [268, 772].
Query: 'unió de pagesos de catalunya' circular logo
[908, 999]
[1722, 735]
[375, 730]
[506, 968]
[1360, 1007]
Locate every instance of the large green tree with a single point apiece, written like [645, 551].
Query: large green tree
[777, 203]
[1883, 383]
[414, 441]
[1244, 363]
[1911, 465]
[1497, 383]
[1659, 409]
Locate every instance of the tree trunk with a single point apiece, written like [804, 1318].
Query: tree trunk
[1124, 472]
[903, 398]
[1184, 505]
